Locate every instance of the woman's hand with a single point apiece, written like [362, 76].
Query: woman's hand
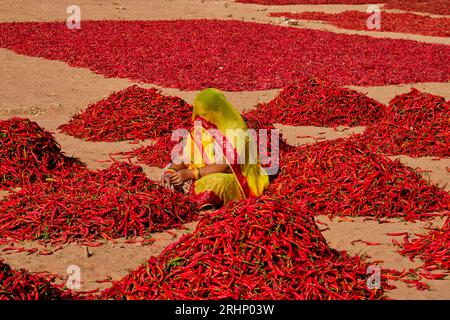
[165, 181]
[181, 176]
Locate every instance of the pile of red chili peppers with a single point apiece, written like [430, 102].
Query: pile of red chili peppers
[134, 113]
[292, 2]
[173, 53]
[415, 124]
[345, 177]
[28, 153]
[259, 248]
[317, 102]
[391, 22]
[82, 205]
[429, 6]
[21, 285]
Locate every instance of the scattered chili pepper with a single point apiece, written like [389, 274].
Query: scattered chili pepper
[104, 281]
[20, 249]
[411, 277]
[365, 242]
[397, 234]
[45, 252]
[433, 248]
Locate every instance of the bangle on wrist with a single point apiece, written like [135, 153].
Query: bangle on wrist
[170, 170]
[196, 172]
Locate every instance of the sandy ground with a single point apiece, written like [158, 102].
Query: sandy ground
[51, 91]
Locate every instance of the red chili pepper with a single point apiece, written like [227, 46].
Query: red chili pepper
[397, 234]
[366, 242]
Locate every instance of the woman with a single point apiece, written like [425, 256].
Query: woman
[211, 169]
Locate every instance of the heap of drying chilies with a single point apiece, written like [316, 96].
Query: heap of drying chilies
[345, 177]
[134, 113]
[316, 102]
[392, 22]
[415, 124]
[293, 2]
[28, 153]
[431, 6]
[21, 285]
[88, 205]
[172, 53]
[258, 248]
[433, 248]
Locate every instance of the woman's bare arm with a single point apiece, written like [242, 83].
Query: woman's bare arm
[178, 166]
[214, 168]
[166, 178]
[177, 178]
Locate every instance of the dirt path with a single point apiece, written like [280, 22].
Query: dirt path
[49, 92]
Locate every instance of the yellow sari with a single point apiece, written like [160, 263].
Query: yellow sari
[210, 141]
